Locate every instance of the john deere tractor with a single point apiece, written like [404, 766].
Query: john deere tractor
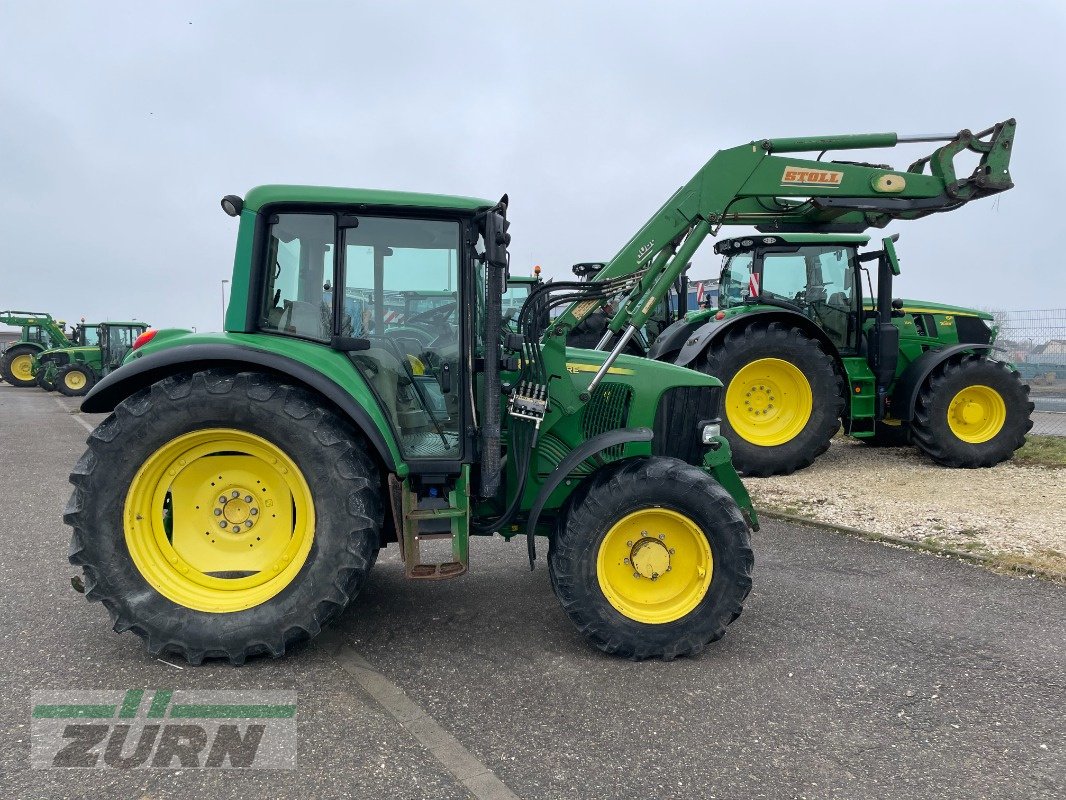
[40, 332]
[794, 341]
[237, 495]
[100, 349]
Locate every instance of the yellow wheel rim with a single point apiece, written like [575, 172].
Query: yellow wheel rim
[22, 367]
[654, 565]
[976, 414]
[75, 379]
[219, 520]
[768, 402]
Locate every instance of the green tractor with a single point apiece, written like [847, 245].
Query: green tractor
[800, 349]
[100, 349]
[40, 332]
[239, 492]
[795, 343]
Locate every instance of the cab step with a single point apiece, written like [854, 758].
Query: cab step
[419, 523]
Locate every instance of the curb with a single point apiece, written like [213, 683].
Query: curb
[991, 562]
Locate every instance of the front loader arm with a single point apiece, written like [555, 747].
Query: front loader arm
[761, 184]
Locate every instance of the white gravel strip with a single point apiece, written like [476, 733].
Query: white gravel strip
[1004, 510]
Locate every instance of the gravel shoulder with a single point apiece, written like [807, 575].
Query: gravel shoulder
[1011, 515]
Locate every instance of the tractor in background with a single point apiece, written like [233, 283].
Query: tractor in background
[100, 349]
[798, 347]
[40, 332]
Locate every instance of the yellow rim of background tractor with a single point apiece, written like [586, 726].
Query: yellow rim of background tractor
[768, 402]
[75, 379]
[977, 413]
[219, 520]
[22, 367]
[654, 565]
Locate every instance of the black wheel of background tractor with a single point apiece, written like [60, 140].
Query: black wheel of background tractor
[75, 380]
[652, 559]
[886, 435]
[783, 397]
[17, 365]
[972, 412]
[224, 515]
[42, 380]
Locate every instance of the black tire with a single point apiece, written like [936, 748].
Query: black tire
[931, 432]
[608, 496]
[13, 352]
[42, 380]
[888, 436]
[75, 370]
[334, 459]
[741, 346]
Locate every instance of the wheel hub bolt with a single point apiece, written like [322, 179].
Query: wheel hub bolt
[247, 498]
[235, 493]
[662, 536]
[222, 523]
[218, 512]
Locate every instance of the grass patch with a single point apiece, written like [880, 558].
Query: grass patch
[1042, 451]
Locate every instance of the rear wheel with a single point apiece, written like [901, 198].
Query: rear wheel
[224, 515]
[972, 412]
[75, 380]
[783, 397]
[17, 365]
[651, 560]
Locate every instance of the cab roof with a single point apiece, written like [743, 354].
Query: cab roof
[745, 242]
[332, 195]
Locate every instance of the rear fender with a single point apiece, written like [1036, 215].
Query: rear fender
[710, 332]
[143, 372]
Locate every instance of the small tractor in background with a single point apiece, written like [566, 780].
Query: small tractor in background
[100, 349]
[40, 332]
[794, 341]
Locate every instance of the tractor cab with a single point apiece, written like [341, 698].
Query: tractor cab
[115, 340]
[816, 275]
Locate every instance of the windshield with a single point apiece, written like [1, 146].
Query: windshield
[735, 284]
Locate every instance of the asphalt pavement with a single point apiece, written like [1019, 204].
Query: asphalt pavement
[856, 671]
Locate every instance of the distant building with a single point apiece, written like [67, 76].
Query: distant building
[1052, 351]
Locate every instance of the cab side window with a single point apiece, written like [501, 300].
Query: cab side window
[298, 299]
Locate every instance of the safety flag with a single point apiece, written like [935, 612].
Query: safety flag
[753, 285]
[699, 293]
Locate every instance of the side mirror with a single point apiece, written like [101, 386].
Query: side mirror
[889, 243]
[496, 236]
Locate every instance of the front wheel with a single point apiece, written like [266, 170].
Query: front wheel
[75, 380]
[652, 559]
[972, 413]
[223, 515]
[45, 379]
[17, 365]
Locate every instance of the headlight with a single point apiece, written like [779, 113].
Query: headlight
[711, 431]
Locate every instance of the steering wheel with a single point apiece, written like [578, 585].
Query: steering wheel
[435, 316]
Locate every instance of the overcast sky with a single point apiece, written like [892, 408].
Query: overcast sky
[122, 124]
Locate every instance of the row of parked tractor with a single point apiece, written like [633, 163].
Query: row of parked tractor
[47, 355]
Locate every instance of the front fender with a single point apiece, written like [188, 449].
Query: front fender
[672, 339]
[909, 384]
[141, 373]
